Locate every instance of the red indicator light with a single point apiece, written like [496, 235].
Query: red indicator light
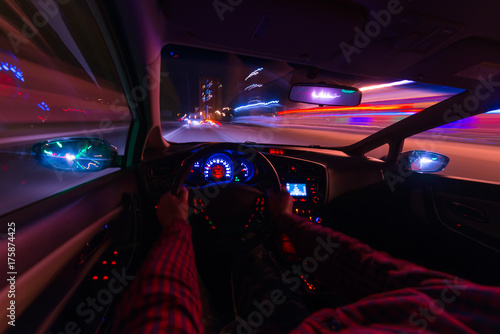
[213, 227]
[115, 252]
[156, 206]
[94, 278]
[104, 262]
[276, 151]
[218, 171]
[459, 225]
[113, 263]
[105, 278]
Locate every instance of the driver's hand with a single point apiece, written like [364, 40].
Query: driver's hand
[172, 208]
[280, 203]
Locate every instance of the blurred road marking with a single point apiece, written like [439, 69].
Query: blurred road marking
[173, 133]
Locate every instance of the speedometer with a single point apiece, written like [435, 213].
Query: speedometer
[219, 167]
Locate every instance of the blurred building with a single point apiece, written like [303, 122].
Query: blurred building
[210, 97]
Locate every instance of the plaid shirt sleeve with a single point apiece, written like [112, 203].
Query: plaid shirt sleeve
[387, 294]
[164, 297]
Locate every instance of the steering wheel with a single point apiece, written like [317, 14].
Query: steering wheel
[228, 216]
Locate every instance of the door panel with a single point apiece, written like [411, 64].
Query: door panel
[469, 208]
[417, 220]
[57, 242]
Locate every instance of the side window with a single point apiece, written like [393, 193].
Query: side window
[56, 80]
[472, 144]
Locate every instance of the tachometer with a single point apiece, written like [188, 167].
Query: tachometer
[218, 167]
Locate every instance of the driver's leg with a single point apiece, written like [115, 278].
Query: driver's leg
[263, 302]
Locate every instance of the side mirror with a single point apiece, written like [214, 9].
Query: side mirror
[75, 154]
[424, 161]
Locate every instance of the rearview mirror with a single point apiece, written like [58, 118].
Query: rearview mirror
[323, 94]
[424, 161]
[75, 154]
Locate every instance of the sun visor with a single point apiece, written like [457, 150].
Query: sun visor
[478, 58]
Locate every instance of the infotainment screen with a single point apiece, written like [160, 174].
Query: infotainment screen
[297, 189]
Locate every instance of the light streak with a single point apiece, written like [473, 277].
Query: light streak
[8, 67]
[257, 71]
[248, 106]
[253, 86]
[364, 107]
[391, 84]
[496, 111]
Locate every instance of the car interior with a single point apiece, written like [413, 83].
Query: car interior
[69, 245]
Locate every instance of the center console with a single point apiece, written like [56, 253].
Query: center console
[305, 181]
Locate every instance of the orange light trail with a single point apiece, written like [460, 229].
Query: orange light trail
[365, 107]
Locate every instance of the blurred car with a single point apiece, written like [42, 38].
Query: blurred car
[196, 123]
[212, 123]
[91, 138]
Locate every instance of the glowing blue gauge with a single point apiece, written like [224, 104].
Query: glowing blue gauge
[219, 167]
[244, 171]
[196, 175]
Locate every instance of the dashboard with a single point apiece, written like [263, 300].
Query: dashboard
[224, 166]
[305, 180]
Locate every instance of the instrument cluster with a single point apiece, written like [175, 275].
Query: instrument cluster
[222, 167]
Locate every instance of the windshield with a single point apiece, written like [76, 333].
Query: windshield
[221, 97]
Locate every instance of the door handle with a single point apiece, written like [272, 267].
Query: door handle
[469, 212]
